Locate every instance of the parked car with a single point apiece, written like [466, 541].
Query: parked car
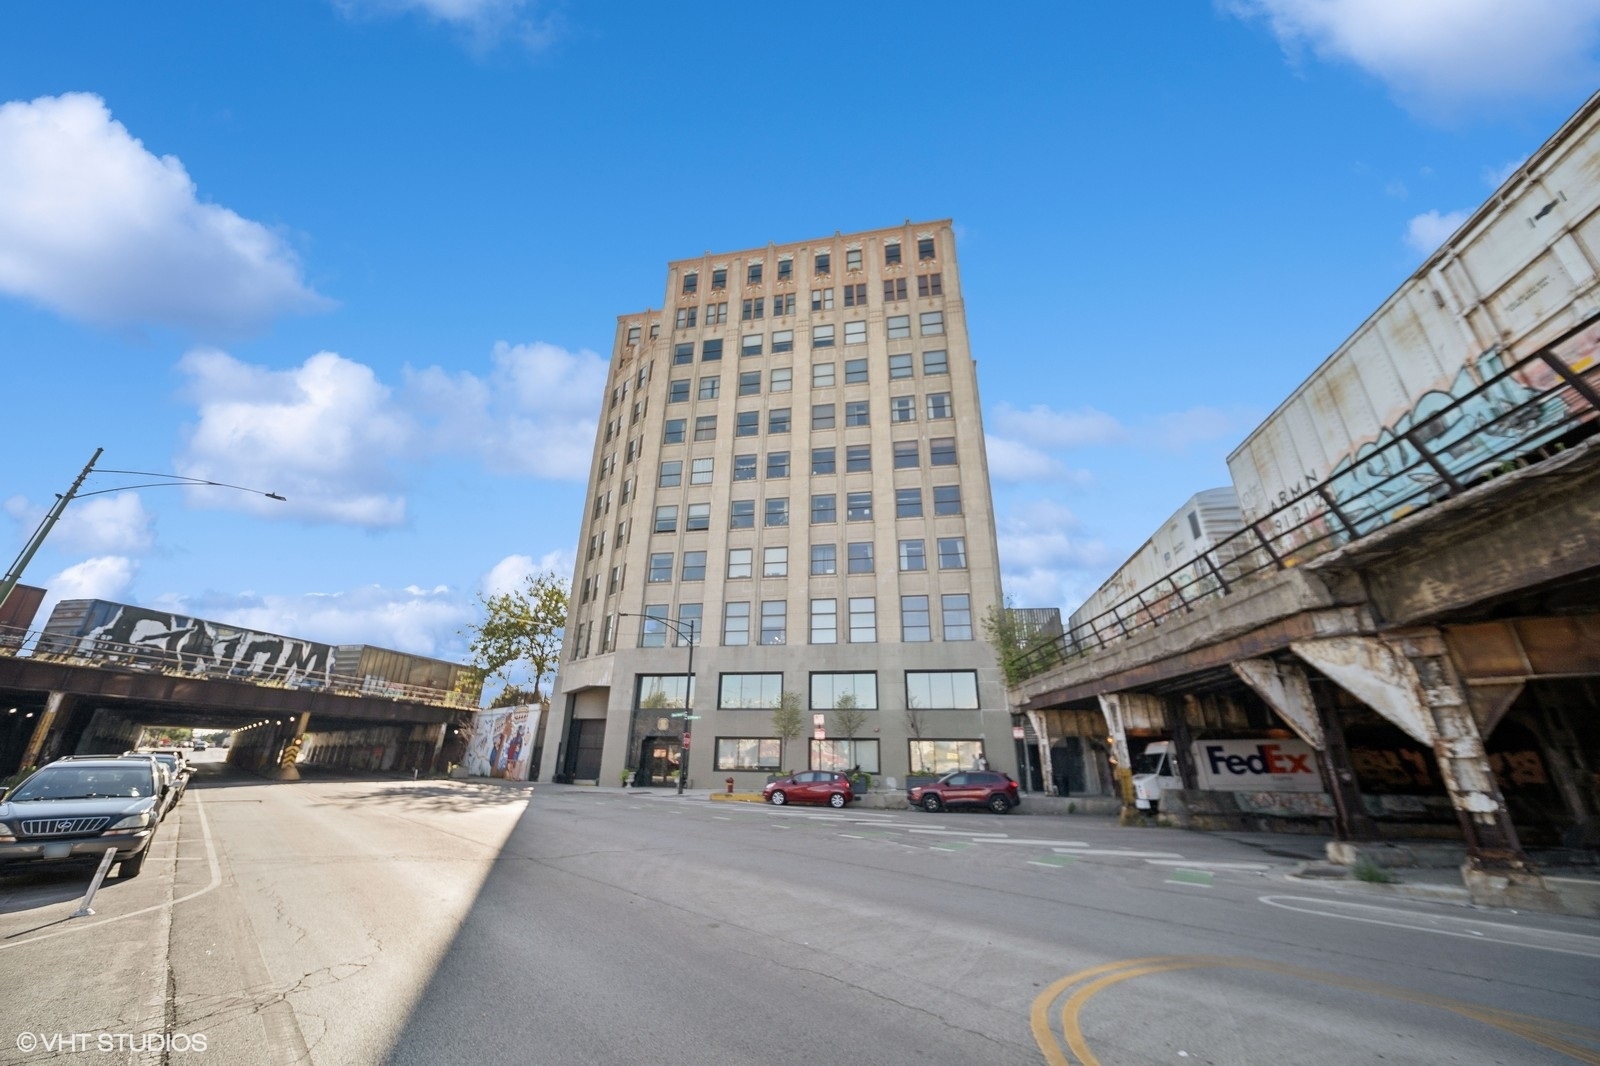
[177, 769]
[199, 745]
[811, 786]
[968, 788]
[83, 807]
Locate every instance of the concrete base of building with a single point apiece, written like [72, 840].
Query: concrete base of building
[1504, 886]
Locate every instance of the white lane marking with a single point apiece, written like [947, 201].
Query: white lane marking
[216, 879]
[1192, 865]
[1031, 842]
[1112, 853]
[955, 832]
[1442, 925]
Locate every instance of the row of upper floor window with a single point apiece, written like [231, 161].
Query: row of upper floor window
[778, 380]
[938, 405]
[824, 461]
[857, 459]
[821, 265]
[950, 553]
[937, 690]
[822, 336]
[766, 622]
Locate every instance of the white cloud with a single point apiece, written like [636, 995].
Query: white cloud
[482, 22]
[96, 227]
[512, 572]
[104, 577]
[324, 434]
[1440, 56]
[534, 413]
[1427, 232]
[1047, 428]
[1494, 177]
[114, 523]
[416, 620]
[1011, 460]
[1044, 559]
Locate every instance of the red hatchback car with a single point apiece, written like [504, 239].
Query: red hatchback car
[968, 788]
[812, 786]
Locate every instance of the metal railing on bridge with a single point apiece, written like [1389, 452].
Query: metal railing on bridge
[73, 650]
[1524, 415]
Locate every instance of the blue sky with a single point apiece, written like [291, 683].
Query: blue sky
[364, 253]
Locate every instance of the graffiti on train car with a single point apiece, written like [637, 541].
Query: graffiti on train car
[202, 646]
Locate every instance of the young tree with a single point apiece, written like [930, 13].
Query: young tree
[787, 720]
[1011, 642]
[522, 626]
[916, 720]
[847, 717]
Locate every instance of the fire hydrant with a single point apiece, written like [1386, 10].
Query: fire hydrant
[730, 786]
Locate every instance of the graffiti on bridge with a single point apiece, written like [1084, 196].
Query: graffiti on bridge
[206, 647]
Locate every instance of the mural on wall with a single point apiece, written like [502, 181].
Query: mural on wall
[502, 743]
[115, 629]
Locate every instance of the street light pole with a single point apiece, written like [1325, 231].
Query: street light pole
[688, 714]
[14, 575]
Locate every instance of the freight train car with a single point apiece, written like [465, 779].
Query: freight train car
[379, 671]
[1138, 588]
[1518, 279]
[143, 637]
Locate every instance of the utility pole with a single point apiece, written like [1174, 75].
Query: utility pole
[14, 575]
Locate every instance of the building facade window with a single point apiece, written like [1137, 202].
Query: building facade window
[678, 390]
[750, 344]
[694, 566]
[782, 379]
[908, 503]
[744, 692]
[843, 755]
[700, 471]
[822, 461]
[652, 630]
[822, 416]
[931, 322]
[752, 274]
[824, 509]
[687, 317]
[783, 304]
[863, 620]
[856, 333]
[945, 756]
[827, 689]
[736, 624]
[774, 562]
[824, 621]
[906, 455]
[942, 451]
[855, 295]
[716, 314]
[742, 514]
[786, 269]
[782, 341]
[666, 518]
[936, 361]
[822, 375]
[946, 499]
[778, 420]
[822, 336]
[891, 253]
[824, 559]
[739, 563]
[957, 610]
[719, 278]
[750, 383]
[852, 259]
[774, 622]
[697, 517]
[855, 413]
[859, 557]
[894, 290]
[952, 553]
[930, 285]
[777, 513]
[939, 405]
[913, 556]
[752, 310]
[858, 458]
[777, 464]
[674, 431]
[749, 753]
[915, 626]
[899, 326]
[942, 690]
[744, 468]
[660, 567]
[821, 263]
[683, 353]
[902, 409]
[691, 283]
[822, 299]
[900, 367]
[746, 424]
[855, 370]
[925, 248]
[705, 427]
[858, 507]
[671, 475]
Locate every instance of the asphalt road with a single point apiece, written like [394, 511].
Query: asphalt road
[369, 920]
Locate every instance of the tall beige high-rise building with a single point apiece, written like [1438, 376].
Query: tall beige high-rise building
[790, 468]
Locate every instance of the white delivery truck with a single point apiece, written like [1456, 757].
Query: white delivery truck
[1263, 765]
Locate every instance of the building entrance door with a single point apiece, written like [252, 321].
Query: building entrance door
[659, 762]
[587, 743]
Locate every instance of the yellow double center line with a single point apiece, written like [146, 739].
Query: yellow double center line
[1084, 985]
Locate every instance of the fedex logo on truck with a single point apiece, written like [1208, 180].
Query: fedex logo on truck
[1269, 765]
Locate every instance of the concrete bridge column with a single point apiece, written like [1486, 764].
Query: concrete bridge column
[1111, 707]
[1285, 688]
[1407, 677]
[41, 729]
[293, 735]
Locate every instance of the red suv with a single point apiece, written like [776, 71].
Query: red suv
[968, 788]
[812, 786]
